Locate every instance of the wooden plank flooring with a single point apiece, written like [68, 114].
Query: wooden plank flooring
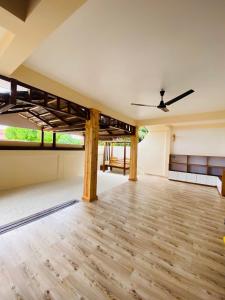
[151, 239]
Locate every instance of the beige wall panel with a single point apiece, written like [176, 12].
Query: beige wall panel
[199, 140]
[20, 168]
[71, 164]
[153, 151]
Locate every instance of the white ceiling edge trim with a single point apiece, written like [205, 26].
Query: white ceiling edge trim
[217, 116]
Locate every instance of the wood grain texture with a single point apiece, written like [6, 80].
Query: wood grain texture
[133, 156]
[151, 239]
[91, 156]
[223, 184]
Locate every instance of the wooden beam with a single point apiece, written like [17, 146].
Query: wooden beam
[11, 100]
[108, 123]
[133, 156]
[9, 112]
[40, 118]
[5, 107]
[91, 156]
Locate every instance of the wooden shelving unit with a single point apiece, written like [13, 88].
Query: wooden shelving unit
[206, 170]
[205, 165]
[178, 163]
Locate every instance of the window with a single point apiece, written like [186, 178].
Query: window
[23, 136]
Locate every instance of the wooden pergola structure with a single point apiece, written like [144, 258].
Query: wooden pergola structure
[111, 161]
[53, 113]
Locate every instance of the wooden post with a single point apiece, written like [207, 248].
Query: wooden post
[223, 184]
[110, 153]
[54, 140]
[91, 157]
[133, 155]
[104, 157]
[42, 137]
[111, 150]
[124, 159]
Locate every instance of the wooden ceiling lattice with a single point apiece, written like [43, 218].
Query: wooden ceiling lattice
[54, 113]
[110, 128]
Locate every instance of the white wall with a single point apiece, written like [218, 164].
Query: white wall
[19, 168]
[153, 151]
[199, 140]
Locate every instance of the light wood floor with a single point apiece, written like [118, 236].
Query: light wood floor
[153, 239]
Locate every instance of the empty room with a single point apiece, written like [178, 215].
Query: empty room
[112, 149]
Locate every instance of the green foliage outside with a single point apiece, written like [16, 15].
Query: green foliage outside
[32, 135]
[142, 132]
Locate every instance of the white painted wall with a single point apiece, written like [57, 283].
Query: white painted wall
[25, 167]
[199, 140]
[153, 151]
[20, 168]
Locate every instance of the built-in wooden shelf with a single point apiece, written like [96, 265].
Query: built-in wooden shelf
[197, 164]
[177, 163]
[207, 170]
[216, 167]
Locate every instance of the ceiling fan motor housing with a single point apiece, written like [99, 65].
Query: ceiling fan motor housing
[161, 104]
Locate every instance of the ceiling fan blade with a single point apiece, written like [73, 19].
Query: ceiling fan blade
[179, 97]
[137, 104]
[165, 109]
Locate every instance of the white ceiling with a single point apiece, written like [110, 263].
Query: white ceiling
[119, 51]
[2, 32]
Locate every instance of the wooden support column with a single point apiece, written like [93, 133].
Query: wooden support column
[104, 157]
[54, 140]
[223, 184]
[91, 157]
[124, 158]
[42, 137]
[133, 155]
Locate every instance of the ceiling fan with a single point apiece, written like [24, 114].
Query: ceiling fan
[163, 105]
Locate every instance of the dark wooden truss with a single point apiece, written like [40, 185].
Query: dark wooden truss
[110, 128]
[54, 113]
[46, 110]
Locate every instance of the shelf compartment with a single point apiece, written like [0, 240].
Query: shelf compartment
[216, 161]
[197, 160]
[215, 170]
[198, 169]
[179, 167]
[178, 159]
